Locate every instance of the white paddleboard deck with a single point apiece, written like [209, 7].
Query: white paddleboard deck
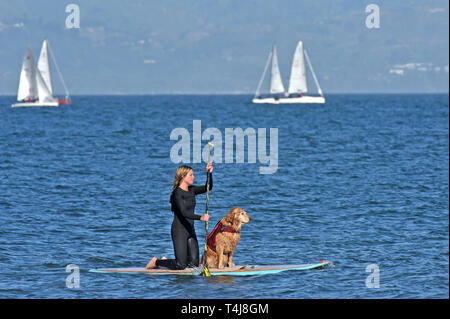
[247, 270]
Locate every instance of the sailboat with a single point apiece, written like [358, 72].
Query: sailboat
[298, 84]
[35, 86]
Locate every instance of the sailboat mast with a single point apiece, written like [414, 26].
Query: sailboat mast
[258, 90]
[313, 73]
[57, 69]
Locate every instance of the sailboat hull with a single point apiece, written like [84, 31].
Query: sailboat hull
[291, 100]
[64, 102]
[35, 104]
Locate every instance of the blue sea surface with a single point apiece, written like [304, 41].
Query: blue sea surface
[362, 181]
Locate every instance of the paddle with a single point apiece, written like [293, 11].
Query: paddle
[205, 270]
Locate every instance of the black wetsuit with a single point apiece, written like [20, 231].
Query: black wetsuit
[184, 239]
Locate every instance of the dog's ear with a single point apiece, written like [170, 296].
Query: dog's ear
[228, 220]
[231, 216]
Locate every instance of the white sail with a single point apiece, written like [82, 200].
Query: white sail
[27, 85]
[297, 81]
[43, 67]
[44, 93]
[276, 85]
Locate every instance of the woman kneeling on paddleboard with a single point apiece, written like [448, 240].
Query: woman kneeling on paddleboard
[184, 239]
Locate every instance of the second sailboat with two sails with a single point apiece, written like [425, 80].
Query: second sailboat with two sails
[35, 86]
[298, 85]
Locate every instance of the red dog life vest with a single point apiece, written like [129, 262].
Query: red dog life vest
[219, 228]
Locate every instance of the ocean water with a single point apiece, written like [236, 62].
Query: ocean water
[361, 181]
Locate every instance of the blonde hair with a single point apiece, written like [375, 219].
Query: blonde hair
[181, 172]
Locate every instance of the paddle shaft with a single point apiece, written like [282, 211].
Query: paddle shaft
[208, 174]
[205, 261]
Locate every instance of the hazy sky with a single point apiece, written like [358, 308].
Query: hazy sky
[221, 46]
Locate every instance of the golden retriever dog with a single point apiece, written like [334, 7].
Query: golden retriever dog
[222, 241]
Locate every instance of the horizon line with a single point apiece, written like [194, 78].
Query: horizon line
[231, 93]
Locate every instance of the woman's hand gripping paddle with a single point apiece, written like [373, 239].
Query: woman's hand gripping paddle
[205, 270]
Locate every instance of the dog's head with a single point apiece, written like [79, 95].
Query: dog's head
[236, 217]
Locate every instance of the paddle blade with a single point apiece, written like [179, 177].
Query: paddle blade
[205, 272]
[203, 265]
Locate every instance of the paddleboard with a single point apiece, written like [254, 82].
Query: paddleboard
[248, 270]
